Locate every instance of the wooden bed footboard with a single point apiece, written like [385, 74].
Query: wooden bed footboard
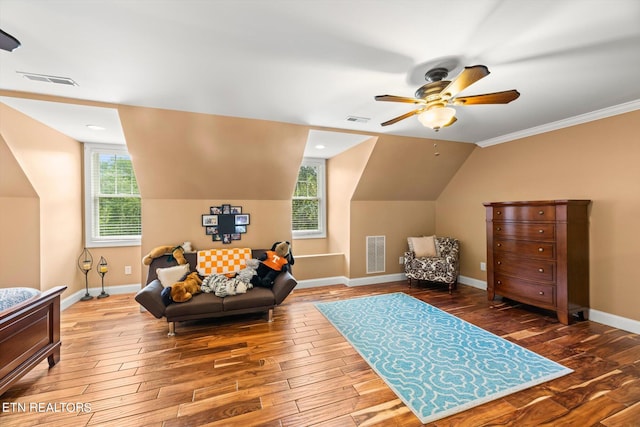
[29, 333]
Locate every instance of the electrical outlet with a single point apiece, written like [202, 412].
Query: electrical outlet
[483, 266]
[401, 260]
[127, 269]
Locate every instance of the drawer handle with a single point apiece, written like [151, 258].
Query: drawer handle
[540, 231]
[540, 212]
[541, 270]
[498, 282]
[498, 228]
[499, 244]
[499, 263]
[498, 213]
[540, 293]
[540, 249]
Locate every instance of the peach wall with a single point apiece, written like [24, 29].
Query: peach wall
[52, 163]
[597, 161]
[19, 242]
[19, 224]
[396, 220]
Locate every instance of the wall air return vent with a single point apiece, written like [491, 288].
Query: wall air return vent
[49, 79]
[375, 254]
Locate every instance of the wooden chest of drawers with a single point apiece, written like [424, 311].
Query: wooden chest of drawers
[538, 254]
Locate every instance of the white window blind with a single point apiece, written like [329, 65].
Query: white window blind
[308, 201]
[112, 198]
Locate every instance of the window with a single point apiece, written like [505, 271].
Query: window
[308, 205]
[112, 198]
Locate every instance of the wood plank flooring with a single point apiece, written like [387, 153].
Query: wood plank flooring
[119, 368]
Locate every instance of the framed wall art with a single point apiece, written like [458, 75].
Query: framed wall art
[225, 223]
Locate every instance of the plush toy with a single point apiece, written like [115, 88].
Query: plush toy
[249, 271]
[272, 263]
[223, 286]
[183, 291]
[177, 252]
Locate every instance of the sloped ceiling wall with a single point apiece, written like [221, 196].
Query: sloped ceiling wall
[13, 180]
[403, 168]
[179, 155]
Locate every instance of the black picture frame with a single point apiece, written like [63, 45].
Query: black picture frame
[209, 220]
[215, 210]
[241, 228]
[242, 219]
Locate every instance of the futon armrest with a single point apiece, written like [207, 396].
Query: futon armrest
[150, 298]
[283, 285]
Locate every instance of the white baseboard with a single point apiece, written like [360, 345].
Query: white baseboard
[342, 280]
[324, 281]
[480, 284]
[111, 290]
[614, 321]
[597, 316]
[594, 315]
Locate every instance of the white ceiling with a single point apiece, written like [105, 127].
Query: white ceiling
[316, 62]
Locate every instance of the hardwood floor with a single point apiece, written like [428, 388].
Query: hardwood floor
[119, 368]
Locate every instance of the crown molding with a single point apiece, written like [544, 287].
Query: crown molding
[560, 124]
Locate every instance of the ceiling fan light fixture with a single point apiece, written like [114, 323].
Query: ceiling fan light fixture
[437, 117]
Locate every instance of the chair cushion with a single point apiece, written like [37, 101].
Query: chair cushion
[423, 246]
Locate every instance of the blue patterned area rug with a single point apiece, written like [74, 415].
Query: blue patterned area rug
[436, 363]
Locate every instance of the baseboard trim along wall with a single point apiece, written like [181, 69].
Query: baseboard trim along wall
[470, 281]
[342, 280]
[615, 321]
[111, 290]
[594, 315]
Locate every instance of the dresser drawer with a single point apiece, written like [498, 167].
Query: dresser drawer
[542, 250]
[526, 292]
[524, 213]
[538, 270]
[526, 231]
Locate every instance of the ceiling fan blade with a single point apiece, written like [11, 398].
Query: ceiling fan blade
[466, 78]
[393, 98]
[504, 97]
[402, 117]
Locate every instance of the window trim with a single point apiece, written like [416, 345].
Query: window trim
[321, 233]
[90, 241]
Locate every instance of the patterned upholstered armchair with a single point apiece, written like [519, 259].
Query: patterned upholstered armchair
[434, 259]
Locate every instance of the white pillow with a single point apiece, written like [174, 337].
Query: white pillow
[424, 246]
[170, 275]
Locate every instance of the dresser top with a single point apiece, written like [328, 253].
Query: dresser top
[540, 202]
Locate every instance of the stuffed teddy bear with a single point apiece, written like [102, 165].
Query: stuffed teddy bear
[177, 252]
[272, 263]
[183, 291]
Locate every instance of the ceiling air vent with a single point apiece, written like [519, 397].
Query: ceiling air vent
[358, 119]
[49, 79]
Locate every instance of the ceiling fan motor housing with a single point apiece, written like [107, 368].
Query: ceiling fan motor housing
[436, 74]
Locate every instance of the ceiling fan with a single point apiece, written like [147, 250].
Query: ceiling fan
[435, 97]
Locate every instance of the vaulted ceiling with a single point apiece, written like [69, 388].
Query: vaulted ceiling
[316, 63]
